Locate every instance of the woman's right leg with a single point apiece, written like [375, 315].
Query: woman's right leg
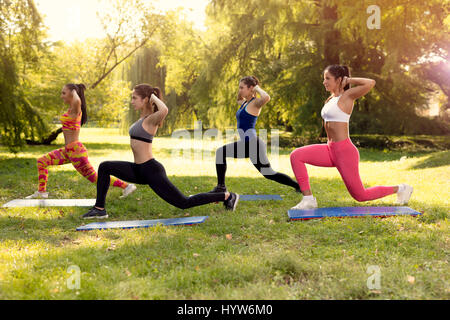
[53, 158]
[316, 155]
[123, 170]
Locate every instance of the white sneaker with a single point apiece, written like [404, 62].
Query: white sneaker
[404, 196]
[128, 190]
[306, 204]
[38, 195]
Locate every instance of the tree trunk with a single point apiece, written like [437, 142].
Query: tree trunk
[47, 141]
[332, 36]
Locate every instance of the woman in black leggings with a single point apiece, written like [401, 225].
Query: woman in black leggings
[249, 145]
[145, 169]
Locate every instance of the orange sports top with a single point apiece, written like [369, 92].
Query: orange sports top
[69, 123]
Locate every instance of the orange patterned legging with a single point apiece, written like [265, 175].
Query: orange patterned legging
[76, 154]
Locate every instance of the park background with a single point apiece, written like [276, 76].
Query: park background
[401, 128]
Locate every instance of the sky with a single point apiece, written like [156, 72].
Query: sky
[77, 20]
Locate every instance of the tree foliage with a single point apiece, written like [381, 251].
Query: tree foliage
[287, 44]
[21, 47]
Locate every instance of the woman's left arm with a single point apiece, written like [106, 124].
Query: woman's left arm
[157, 117]
[264, 97]
[76, 103]
[363, 86]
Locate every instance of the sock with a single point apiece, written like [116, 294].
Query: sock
[401, 188]
[311, 197]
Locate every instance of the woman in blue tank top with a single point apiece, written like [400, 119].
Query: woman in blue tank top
[249, 145]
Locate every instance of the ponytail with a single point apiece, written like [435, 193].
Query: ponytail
[80, 92]
[157, 92]
[346, 72]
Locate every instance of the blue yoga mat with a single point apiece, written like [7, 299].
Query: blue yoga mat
[142, 223]
[255, 197]
[351, 212]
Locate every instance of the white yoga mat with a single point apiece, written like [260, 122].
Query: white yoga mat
[18, 203]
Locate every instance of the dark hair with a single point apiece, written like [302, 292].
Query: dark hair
[145, 91]
[339, 71]
[250, 81]
[80, 88]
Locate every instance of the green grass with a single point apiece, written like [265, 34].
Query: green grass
[266, 257]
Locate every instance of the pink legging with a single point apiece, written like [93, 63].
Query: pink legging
[345, 157]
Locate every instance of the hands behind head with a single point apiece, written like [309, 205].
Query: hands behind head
[152, 100]
[344, 82]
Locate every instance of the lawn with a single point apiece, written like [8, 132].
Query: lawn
[252, 253]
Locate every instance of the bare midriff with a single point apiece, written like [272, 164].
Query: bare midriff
[71, 136]
[336, 131]
[142, 151]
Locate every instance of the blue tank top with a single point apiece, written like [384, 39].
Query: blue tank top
[246, 122]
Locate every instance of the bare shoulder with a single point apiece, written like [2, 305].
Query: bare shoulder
[346, 102]
[149, 125]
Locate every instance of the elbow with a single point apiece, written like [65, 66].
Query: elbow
[162, 108]
[372, 83]
[267, 99]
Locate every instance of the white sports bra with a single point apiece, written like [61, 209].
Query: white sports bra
[332, 112]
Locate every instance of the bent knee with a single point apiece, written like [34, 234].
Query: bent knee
[360, 197]
[296, 155]
[41, 162]
[183, 205]
[105, 165]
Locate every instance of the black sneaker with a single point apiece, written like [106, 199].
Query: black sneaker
[231, 202]
[95, 213]
[219, 188]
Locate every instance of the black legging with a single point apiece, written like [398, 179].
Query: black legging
[255, 149]
[152, 173]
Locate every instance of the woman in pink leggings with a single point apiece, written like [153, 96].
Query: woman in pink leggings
[340, 152]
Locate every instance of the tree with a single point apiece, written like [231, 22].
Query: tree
[21, 33]
[143, 68]
[129, 25]
[287, 44]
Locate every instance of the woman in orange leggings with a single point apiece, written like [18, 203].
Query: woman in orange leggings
[74, 151]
